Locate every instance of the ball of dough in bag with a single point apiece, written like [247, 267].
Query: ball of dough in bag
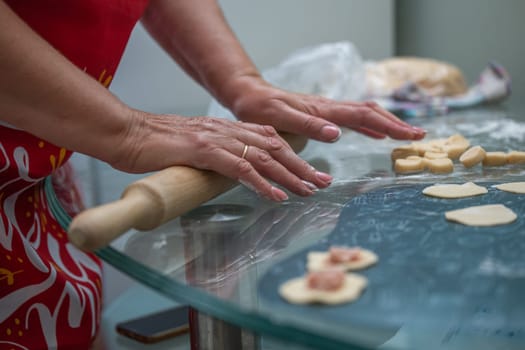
[436, 78]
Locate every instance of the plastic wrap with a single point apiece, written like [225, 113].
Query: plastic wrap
[333, 70]
[407, 86]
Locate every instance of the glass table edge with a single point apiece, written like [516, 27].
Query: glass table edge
[198, 299]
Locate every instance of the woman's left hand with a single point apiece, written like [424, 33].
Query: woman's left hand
[317, 117]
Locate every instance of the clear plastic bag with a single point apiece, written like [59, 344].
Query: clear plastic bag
[333, 70]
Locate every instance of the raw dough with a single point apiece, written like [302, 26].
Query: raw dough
[435, 155]
[440, 165]
[458, 139]
[320, 260]
[436, 78]
[472, 156]
[467, 189]
[416, 158]
[514, 187]
[407, 166]
[423, 147]
[482, 215]
[454, 151]
[296, 291]
[403, 152]
[516, 157]
[495, 159]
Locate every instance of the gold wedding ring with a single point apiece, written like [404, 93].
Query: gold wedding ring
[244, 151]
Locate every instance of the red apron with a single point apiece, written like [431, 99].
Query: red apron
[50, 292]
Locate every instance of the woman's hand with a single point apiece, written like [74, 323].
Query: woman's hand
[154, 142]
[313, 116]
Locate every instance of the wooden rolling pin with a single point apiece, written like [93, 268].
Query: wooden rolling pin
[153, 201]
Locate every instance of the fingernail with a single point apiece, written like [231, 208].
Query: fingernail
[330, 132]
[279, 195]
[419, 129]
[324, 176]
[310, 185]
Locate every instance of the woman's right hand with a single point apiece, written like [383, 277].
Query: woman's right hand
[155, 142]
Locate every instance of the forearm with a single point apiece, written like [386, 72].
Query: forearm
[197, 36]
[45, 94]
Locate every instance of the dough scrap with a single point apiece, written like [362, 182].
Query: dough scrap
[423, 147]
[458, 139]
[440, 165]
[482, 215]
[495, 159]
[516, 157]
[408, 166]
[472, 156]
[467, 189]
[403, 151]
[435, 155]
[296, 291]
[317, 261]
[514, 187]
[454, 151]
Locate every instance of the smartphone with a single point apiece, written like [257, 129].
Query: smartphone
[156, 327]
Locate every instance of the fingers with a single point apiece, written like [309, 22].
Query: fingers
[370, 117]
[267, 146]
[320, 119]
[370, 133]
[257, 154]
[241, 170]
[274, 159]
[308, 122]
[252, 170]
[293, 174]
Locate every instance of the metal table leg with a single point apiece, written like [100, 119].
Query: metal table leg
[210, 231]
[209, 333]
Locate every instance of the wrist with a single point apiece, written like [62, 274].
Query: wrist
[125, 140]
[235, 89]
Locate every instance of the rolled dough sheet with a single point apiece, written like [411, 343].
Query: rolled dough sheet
[514, 187]
[320, 260]
[296, 291]
[467, 189]
[482, 215]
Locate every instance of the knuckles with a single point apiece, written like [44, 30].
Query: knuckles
[309, 123]
[243, 168]
[268, 130]
[371, 104]
[264, 157]
[274, 143]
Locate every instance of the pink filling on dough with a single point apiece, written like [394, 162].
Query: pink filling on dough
[326, 279]
[338, 255]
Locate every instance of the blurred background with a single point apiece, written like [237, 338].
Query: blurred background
[467, 33]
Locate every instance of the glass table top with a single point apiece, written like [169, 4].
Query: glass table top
[436, 285]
